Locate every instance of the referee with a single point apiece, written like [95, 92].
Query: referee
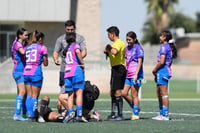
[118, 71]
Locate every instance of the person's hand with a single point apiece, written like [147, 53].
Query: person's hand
[57, 62]
[135, 77]
[108, 47]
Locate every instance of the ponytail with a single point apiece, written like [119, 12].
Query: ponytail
[173, 47]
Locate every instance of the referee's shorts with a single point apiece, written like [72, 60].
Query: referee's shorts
[118, 76]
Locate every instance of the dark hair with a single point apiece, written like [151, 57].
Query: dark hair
[113, 29]
[70, 23]
[132, 35]
[20, 31]
[70, 38]
[39, 35]
[168, 36]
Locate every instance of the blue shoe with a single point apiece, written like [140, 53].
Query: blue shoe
[19, 118]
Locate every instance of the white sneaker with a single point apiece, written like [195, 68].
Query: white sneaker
[165, 118]
[81, 119]
[160, 118]
[41, 119]
[135, 117]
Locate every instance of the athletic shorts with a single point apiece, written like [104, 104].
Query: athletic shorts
[75, 82]
[118, 76]
[162, 79]
[129, 81]
[33, 80]
[19, 77]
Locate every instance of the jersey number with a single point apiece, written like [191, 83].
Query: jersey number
[31, 56]
[69, 59]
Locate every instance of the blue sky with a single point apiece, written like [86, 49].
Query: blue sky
[131, 15]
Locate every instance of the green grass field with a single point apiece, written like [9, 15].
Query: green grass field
[184, 114]
[185, 118]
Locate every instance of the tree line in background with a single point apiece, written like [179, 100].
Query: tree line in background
[162, 15]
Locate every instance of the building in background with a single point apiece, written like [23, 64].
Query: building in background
[48, 16]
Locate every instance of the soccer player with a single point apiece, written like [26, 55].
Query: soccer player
[118, 71]
[90, 94]
[45, 114]
[162, 73]
[60, 45]
[17, 73]
[36, 54]
[134, 55]
[74, 78]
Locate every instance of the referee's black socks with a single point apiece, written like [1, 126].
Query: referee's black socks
[113, 105]
[119, 103]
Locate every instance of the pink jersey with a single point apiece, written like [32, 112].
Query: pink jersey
[34, 58]
[18, 58]
[132, 54]
[72, 61]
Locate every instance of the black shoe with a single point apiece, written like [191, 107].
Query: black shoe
[31, 119]
[111, 117]
[81, 119]
[119, 118]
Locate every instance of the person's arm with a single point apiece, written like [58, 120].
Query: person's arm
[45, 60]
[57, 49]
[159, 64]
[78, 53]
[84, 53]
[111, 50]
[45, 56]
[138, 68]
[82, 43]
[55, 58]
[22, 51]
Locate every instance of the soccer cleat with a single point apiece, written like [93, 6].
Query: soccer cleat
[19, 118]
[159, 117]
[31, 119]
[69, 117]
[165, 118]
[111, 117]
[25, 116]
[119, 118]
[135, 117]
[97, 116]
[81, 119]
[41, 119]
